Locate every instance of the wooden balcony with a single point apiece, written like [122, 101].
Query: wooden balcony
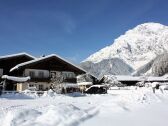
[70, 80]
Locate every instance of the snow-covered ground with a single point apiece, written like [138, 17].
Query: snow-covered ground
[138, 107]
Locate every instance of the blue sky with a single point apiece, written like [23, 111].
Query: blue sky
[73, 29]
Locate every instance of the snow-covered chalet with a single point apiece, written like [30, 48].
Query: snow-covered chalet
[23, 71]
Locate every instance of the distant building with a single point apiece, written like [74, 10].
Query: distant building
[132, 80]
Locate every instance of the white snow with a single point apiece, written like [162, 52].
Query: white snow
[98, 86]
[136, 106]
[162, 78]
[17, 79]
[122, 77]
[166, 76]
[164, 87]
[85, 83]
[69, 85]
[136, 78]
[154, 84]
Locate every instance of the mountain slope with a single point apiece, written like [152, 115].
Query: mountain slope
[160, 65]
[137, 47]
[108, 66]
[157, 67]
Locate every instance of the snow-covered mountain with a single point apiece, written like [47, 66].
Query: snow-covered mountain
[137, 46]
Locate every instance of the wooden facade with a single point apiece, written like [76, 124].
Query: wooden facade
[9, 61]
[41, 71]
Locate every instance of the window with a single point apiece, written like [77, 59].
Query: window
[68, 75]
[32, 74]
[53, 74]
[31, 85]
[41, 74]
[40, 87]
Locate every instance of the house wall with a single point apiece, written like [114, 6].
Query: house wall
[82, 88]
[27, 85]
[67, 75]
[21, 86]
[1, 71]
[37, 73]
[45, 85]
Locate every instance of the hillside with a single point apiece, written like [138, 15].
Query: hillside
[107, 66]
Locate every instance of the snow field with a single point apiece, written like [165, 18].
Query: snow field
[118, 107]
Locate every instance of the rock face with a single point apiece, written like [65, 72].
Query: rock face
[160, 65]
[136, 48]
[108, 66]
[157, 67]
[144, 70]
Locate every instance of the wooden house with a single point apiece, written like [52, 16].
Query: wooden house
[124, 79]
[45, 71]
[9, 61]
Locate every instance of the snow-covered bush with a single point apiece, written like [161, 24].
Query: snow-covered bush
[112, 81]
[56, 82]
[140, 84]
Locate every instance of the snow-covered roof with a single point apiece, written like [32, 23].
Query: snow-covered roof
[17, 54]
[81, 76]
[135, 78]
[17, 79]
[85, 83]
[122, 77]
[131, 78]
[42, 58]
[98, 86]
[157, 78]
